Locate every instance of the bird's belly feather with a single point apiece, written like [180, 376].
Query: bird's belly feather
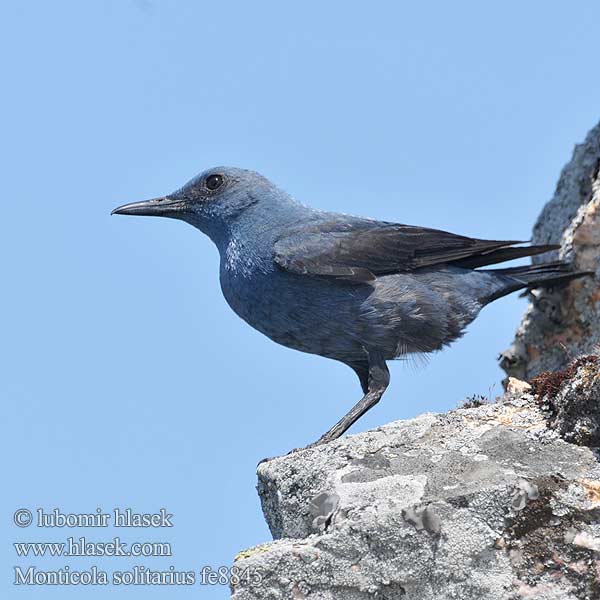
[395, 315]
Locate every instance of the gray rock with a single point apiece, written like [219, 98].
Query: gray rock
[564, 323]
[487, 503]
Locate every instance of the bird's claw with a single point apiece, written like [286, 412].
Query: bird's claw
[292, 451]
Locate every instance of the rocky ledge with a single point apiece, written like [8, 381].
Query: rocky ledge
[495, 501]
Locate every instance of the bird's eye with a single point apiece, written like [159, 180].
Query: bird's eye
[214, 182]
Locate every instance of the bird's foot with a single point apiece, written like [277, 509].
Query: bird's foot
[292, 451]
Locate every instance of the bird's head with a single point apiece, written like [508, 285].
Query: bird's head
[210, 201]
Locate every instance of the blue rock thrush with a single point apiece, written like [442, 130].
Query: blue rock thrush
[356, 290]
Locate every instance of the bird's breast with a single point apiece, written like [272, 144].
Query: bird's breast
[245, 281]
[291, 310]
[239, 260]
[253, 296]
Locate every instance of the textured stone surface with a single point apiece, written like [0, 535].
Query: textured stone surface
[572, 400]
[486, 502]
[564, 323]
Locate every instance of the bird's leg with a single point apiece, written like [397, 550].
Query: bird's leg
[374, 377]
[379, 378]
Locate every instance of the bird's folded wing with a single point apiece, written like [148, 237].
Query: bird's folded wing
[361, 251]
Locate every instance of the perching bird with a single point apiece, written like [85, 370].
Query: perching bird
[356, 290]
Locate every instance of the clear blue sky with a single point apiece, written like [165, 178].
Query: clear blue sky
[126, 379]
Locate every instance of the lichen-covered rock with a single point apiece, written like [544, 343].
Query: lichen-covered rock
[485, 503]
[564, 323]
[572, 399]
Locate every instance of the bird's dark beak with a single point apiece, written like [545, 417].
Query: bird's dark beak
[157, 207]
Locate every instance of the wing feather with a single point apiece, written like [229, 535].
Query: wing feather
[361, 250]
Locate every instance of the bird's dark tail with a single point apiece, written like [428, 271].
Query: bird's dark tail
[535, 276]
